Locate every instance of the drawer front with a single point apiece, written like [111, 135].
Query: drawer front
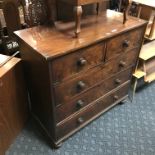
[71, 64]
[93, 94]
[124, 43]
[82, 83]
[90, 113]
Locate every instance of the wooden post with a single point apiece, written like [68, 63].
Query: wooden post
[78, 14]
[11, 14]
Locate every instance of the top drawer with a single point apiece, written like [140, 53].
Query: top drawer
[124, 42]
[71, 64]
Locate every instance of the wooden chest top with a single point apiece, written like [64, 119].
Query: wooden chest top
[53, 42]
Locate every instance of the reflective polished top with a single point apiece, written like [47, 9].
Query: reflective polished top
[52, 42]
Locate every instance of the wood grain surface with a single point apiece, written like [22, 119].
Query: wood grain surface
[13, 102]
[63, 71]
[52, 42]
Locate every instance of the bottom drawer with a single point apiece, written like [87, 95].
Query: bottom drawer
[94, 110]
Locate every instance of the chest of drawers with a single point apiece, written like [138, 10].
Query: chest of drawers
[72, 81]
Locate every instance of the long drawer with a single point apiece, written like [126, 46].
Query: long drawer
[124, 42]
[92, 112]
[82, 83]
[81, 60]
[93, 94]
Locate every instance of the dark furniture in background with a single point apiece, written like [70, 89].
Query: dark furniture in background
[20, 15]
[114, 4]
[13, 101]
[78, 10]
[36, 12]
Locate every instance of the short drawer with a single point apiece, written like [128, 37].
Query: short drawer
[92, 95]
[124, 42]
[64, 92]
[74, 63]
[87, 115]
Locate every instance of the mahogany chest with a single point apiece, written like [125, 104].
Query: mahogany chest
[71, 80]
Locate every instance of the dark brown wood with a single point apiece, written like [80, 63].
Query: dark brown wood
[36, 13]
[123, 43]
[38, 80]
[51, 6]
[10, 10]
[1, 34]
[65, 73]
[100, 73]
[125, 4]
[93, 55]
[24, 14]
[89, 113]
[78, 11]
[97, 8]
[92, 95]
[78, 14]
[65, 12]
[13, 102]
[94, 30]
[33, 12]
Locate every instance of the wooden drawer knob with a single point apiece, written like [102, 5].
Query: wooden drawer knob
[82, 62]
[80, 104]
[118, 81]
[126, 43]
[80, 120]
[122, 63]
[81, 85]
[116, 97]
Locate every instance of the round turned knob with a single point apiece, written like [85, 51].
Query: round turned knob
[117, 81]
[122, 64]
[80, 104]
[80, 120]
[126, 43]
[116, 97]
[81, 85]
[82, 62]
